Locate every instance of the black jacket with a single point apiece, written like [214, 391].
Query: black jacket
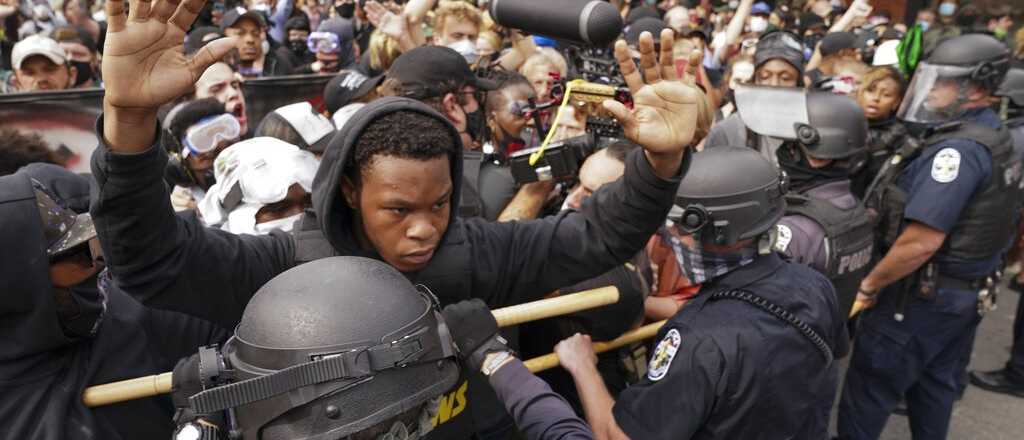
[44, 369]
[179, 265]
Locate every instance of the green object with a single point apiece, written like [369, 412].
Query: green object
[909, 50]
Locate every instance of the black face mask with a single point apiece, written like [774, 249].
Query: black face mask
[81, 307]
[298, 47]
[474, 123]
[802, 175]
[84, 74]
[346, 10]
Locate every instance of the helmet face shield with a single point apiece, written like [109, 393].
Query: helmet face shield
[936, 93]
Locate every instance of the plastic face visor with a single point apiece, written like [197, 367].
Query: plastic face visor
[208, 133]
[323, 42]
[935, 93]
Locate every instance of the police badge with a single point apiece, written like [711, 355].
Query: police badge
[663, 355]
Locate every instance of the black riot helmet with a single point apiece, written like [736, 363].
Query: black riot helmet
[727, 195]
[1013, 87]
[941, 84]
[331, 348]
[827, 125]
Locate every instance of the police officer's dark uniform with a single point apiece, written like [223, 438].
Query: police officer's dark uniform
[1010, 379]
[825, 225]
[913, 341]
[752, 355]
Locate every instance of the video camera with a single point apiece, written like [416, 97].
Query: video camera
[561, 160]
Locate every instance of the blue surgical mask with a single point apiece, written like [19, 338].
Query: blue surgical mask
[947, 9]
[924, 25]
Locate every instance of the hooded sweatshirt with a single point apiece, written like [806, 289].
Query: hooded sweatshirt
[173, 263]
[43, 369]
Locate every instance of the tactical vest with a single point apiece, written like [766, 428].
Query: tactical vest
[448, 276]
[986, 225]
[849, 243]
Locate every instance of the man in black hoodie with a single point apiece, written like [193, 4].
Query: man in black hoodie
[67, 326]
[387, 188]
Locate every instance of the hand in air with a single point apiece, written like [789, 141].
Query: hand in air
[144, 65]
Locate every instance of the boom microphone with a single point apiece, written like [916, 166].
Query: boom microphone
[593, 22]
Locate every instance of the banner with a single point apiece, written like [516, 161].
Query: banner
[66, 119]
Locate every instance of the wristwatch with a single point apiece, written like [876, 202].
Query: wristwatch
[494, 361]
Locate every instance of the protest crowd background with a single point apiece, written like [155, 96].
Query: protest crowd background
[295, 218]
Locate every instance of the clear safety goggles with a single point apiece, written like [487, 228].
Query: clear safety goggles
[208, 133]
[935, 94]
[323, 42]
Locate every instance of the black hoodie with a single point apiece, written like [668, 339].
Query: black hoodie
[179, 265]
[43, 370]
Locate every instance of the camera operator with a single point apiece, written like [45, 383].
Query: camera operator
[387, 187]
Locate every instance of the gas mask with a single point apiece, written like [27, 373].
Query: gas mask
[467, 49]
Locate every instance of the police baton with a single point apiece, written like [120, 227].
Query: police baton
[648, 331]
[141, 387]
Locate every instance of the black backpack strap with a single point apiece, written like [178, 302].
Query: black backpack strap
[781, 313]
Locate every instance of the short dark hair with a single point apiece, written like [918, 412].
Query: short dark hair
[404, 134]
[505, 80]
[619, 150]
[18, 149]
[276, 126]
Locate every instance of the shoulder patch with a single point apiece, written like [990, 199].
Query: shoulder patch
[946, 165]
[663, 355]
[785, 236]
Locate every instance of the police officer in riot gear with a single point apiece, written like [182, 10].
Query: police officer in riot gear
[1010, 379]
[825, 225]
[778, 62]
[945, 228]
[752, 355]
[348, 348]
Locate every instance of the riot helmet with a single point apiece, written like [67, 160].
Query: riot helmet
[1012, 87]
[329, 349]
[941, 85]
[727, 195]
[827, 125]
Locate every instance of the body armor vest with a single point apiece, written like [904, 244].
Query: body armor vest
[849, 243]
[986, 225]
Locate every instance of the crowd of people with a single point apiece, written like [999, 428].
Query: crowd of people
[780, 186]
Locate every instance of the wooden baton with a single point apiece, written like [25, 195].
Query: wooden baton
[140, 387]
[550, 360]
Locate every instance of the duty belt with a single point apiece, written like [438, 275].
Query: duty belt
[948, 282]
[781, 313]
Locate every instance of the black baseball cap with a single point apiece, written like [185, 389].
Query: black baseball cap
[837, 41]
[231, 16]
[423, 70]
[198, 38]
[690, 31]
[348, 86]
[782, 45]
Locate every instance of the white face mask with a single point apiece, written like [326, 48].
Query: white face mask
[758, 24]
[284, 224]
[465, 48]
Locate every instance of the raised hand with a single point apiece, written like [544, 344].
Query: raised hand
[668, 113]
[391, 24]
[144, 65]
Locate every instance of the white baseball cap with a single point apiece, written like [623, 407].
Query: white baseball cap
[37, 45]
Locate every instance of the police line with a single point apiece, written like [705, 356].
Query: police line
[142, 387]
[66, 119]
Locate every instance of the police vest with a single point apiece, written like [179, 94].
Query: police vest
[448, 277]
[986, 224]
[849, 243]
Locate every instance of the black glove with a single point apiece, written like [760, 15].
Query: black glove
[475, 331]
[186, 382]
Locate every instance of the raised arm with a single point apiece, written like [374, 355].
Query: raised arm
[162, 259]
[542, 255]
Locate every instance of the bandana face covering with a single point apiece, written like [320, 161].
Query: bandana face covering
[701, 265]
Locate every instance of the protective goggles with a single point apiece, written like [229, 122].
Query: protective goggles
[323, 42]
[208, 133]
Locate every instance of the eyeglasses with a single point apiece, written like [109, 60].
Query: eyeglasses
[323, 42]
[206, 134]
